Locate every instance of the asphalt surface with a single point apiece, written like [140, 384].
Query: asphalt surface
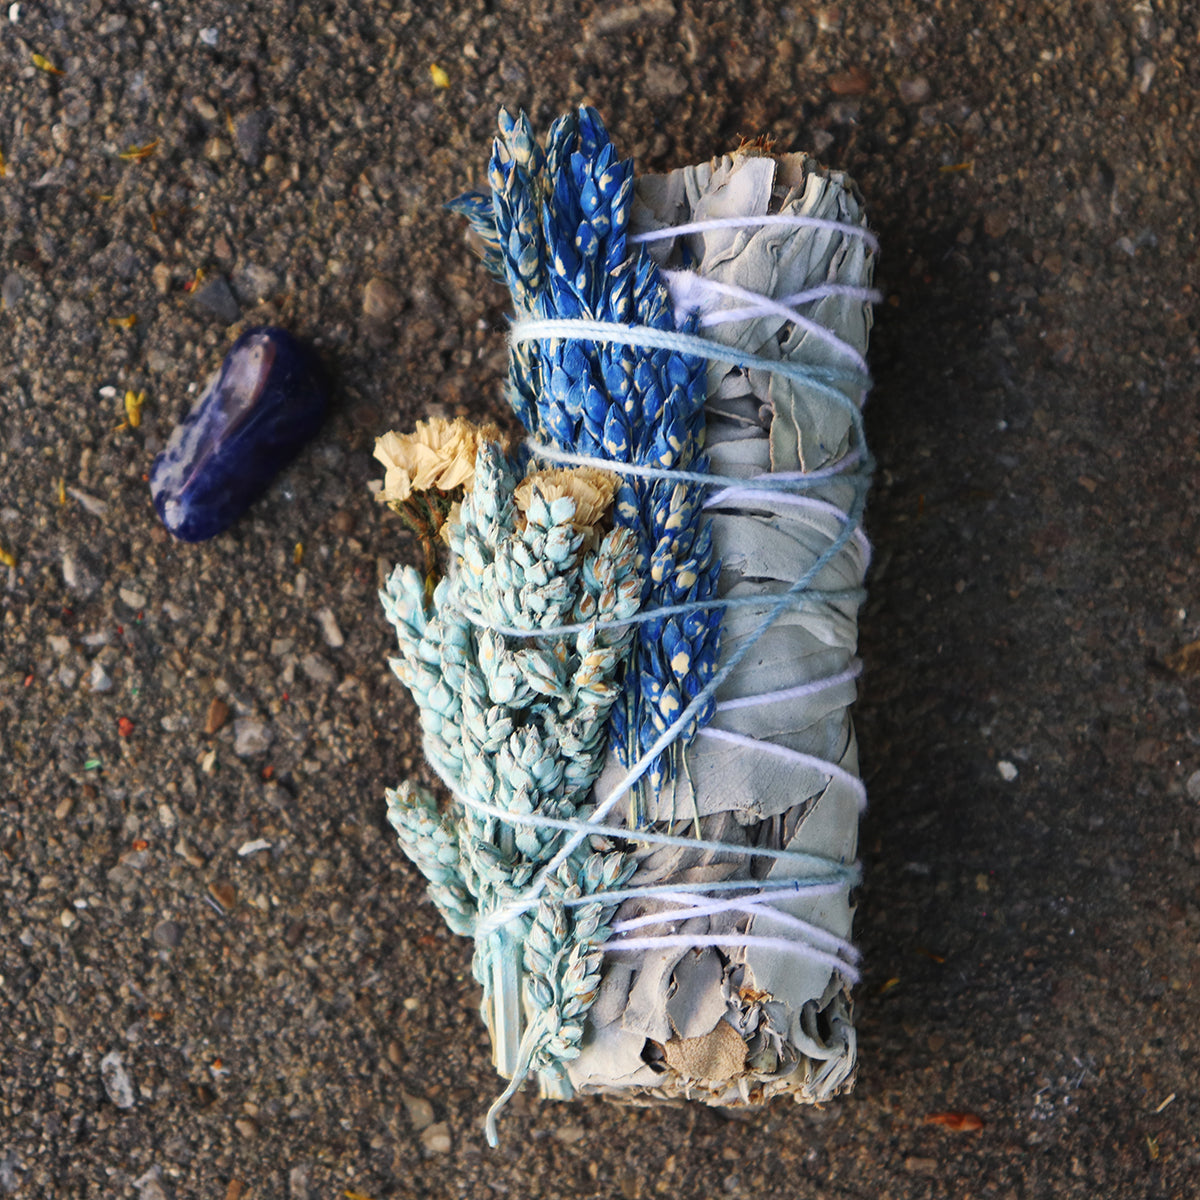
[181, 1018]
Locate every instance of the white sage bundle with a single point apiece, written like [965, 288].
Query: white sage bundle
[735, 994]
[634, 675]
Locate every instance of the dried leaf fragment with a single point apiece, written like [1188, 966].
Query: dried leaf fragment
[1185, 660]
[957, 1122]
[137, 153]
[133, 408]
[44, 64]
[439, 77]
[7, 559]
[123, 322]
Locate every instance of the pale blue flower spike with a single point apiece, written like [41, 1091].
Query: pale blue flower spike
[516, 726]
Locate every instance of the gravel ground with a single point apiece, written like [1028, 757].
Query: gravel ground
[184, 1015]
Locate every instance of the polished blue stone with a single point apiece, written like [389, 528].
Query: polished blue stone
[257, 412]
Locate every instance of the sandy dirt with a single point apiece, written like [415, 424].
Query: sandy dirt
[182, 1019]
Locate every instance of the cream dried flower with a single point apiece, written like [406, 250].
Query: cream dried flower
[591, 489]
[437, 454]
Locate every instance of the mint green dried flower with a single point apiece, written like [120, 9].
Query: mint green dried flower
[516, 724]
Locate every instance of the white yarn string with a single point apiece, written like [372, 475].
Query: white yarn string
[784, 220]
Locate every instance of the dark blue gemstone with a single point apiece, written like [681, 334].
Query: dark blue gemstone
[255, 415]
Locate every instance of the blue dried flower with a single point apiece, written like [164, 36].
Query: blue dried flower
[555, 232]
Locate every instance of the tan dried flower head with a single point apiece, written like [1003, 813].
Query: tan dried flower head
[437, 454]
[591, 489]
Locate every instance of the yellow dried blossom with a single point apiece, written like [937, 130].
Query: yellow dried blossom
[437, 454]
[591, 489]
[453, 517]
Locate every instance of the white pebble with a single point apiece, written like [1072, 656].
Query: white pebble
[250, 737]
[1008, 772]
[329, 627]
[150, 1186]
[420, 1111]
[91, 504]
[98, 678]
[436, 1139]
[116, 1079]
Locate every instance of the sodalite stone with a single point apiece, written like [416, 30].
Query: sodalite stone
[258, 410]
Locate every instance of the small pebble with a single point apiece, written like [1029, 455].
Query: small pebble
[329, 628]
[1008, 772]
[218, 714]
[116, 1080]
[90, 504]
[627, 17]
[664, 82]
[317, 669]
[252, 284]
[223, 892]
[250, 132]
[168, 934]
[214, 296]
[132, 597]
[77, 574]
[436, 1139]
[98, 678]
[914, 90]
[149, 1186]
[996, 223]
[829, 19]
[381, 301]
[188, 853]
[420, 1111]
[12, 290]
[298, 1188]
[250, 737]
